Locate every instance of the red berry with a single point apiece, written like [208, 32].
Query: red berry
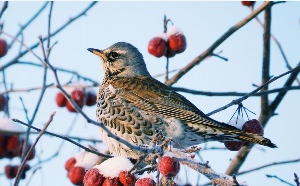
[93, 178]
[70, 163]
[12, 143]
[3, 101]
[168, 166]
[70, 107]
[76, 175]
[145, 182]
[112, 182]
[3, 47]
[253, 126]
[9, 172]
[248, 3]
[177, 41]
[127, 179]
[60, 99]
[31, 154]
[158, 46]
[78, 96]
[234, 145]
[26, 167]
[91, 98]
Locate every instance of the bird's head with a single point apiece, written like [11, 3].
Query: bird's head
[122, 60]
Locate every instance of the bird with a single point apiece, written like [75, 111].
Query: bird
[135, 106]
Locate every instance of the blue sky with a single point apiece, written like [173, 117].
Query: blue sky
[137, 22]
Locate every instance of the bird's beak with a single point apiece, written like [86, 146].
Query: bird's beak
[96, 52]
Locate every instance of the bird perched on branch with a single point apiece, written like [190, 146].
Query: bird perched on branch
[134, 106]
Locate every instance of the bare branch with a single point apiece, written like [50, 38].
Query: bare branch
[64, 138]
[28, 23]
[294, 72]
[269, 165]
[204, 168]
[210, 50]
[71, 20]
[31, 149]
[209, 93]
[278, 44]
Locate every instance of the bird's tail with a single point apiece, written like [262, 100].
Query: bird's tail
[238, 135]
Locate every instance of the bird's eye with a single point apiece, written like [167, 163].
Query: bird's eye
[113, 55]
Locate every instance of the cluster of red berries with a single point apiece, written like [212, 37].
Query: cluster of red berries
[112, 172]
[251, 126]
[93, 177]
[78, 164]
[12, 146]
[12, 170]
[167, 44]
[79, 96]
[3, 47]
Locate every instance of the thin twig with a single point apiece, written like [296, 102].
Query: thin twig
[269, 165]
[94, 82]
[64, 138]
[239, 100]
[6, 108]
[31, 149]
[296, 179]
[4, 7]
[23, 27]
[209, 93]
[278, 45]
[71, 20]
[280, 179]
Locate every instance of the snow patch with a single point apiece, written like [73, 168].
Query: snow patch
[146, 175]
[7, 125]
[113, 166]
[86, 159]
[174, 127]
[164, 36]
[174, 30]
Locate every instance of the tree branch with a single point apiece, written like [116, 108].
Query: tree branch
[269, 165]
[232, 93]
[294, 72]
[209, 51]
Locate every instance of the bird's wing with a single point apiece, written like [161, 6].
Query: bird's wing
[150, 95]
